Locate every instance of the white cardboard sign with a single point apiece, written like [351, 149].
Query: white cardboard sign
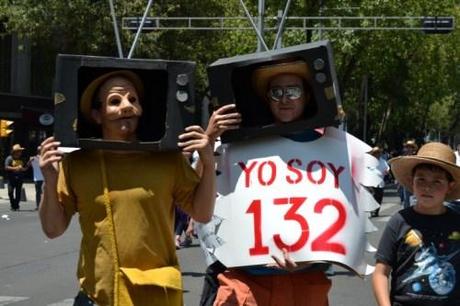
[277, 193]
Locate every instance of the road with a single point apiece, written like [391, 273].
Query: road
[36, 271]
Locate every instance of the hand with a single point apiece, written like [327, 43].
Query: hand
[195, 138]
[49, 158]
[223, 119]
[286, 263]
[190, 229]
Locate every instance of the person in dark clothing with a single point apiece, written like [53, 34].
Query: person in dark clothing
[15, 168]
[418, 258]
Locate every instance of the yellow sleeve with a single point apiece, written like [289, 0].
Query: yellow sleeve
[185, 182]
[64, 188]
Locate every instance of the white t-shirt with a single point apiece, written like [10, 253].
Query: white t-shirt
[457, 156]
[375, 171]
[38, 176]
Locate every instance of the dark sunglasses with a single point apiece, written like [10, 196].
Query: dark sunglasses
[291, 93]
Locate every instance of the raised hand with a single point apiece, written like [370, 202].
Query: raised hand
[195, 138]
[223, 119]
[49, 158]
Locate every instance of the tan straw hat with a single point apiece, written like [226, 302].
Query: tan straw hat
[262, 75]
[87, 97]
[16, 147]
[434, 153]
[411, 143]
[375, 150]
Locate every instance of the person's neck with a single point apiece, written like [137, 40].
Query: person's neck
[438, 209]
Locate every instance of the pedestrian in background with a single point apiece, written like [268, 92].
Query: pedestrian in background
[38, 176]
[455, 204]
[181, 224]
[15, 169]
[380, 170]
[420, 246]
[409, 148]
[457, 155]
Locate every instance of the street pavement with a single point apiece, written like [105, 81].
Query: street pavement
[37, 271]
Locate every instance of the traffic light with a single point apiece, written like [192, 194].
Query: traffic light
[4, 131]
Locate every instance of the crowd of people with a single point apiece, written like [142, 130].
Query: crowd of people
[129, 202]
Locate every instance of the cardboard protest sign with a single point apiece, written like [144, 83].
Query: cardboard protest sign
[277, 193]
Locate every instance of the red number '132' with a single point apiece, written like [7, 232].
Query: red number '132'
[321, 243]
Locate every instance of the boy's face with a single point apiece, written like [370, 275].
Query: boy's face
[430, 188]
[287, 98]
[120, 109]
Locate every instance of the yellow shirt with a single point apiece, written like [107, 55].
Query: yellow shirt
[143, 188]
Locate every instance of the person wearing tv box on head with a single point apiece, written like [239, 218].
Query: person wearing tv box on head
[262, 244]
[124, 199]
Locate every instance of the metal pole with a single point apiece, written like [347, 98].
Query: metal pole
[260, 23]
[281, 28]
[259, 36]
[366, 87]
[320, 32]
[115, 29]
[139, 30]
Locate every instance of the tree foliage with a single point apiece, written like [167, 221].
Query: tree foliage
[413, 79]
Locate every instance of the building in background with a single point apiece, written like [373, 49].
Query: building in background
[25, 95]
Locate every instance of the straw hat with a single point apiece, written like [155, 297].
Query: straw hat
[262, 75]
[88, 94]
[16, 147]
[375, 150]
[411, 143]
[434, 153]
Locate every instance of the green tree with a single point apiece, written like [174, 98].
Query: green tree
[413, 78]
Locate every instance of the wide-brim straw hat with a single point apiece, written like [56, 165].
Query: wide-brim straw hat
[263, 75]
[434, 153]
[16, 147]
[87, 97]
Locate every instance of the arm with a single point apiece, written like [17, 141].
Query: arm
[193, 139]
[9, 167]
[196, 139]
[190, 231]
[52, 215]
[221, 120]
[29, 162]
[380, 284]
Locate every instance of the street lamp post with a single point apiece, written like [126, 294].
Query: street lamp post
[260, 25]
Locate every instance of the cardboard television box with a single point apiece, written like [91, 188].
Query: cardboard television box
[230, 81]
[168, 102]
